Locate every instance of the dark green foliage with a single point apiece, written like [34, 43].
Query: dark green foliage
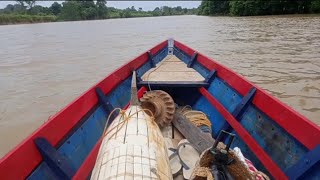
[39, 10]
[16, 8]
[55, 8]
[258, 7]
[315, 6]
[102, 10]
[70, 11]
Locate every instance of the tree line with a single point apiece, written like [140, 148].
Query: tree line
[258, 7]
[82, 10]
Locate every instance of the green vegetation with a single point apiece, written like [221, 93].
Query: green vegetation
[28, 12]
[258, 7]
[23, 18]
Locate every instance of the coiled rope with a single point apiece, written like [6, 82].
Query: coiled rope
[198, 118]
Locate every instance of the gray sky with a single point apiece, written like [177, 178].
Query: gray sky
[145, 5]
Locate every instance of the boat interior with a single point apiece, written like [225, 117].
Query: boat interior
[272, 146]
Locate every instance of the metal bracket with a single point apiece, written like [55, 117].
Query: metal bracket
[192, 60]
[150, 57]
[138, 77]
[304, 164]
[211, 76]
[58, 163]
[170, 46]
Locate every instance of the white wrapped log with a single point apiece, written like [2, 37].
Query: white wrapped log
[134, 149]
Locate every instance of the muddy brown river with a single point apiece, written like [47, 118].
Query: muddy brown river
[45, 66]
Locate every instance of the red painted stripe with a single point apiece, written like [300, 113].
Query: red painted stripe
[24, 158]
[268, 163]
[305, 131]
[90, 161]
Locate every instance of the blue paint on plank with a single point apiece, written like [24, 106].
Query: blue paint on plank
[105, 103]
[192, 60]
[150, 59]
[226, 96]
[313, 173]
[160, 55]
[196, 65]
[43, 172]
[210, 77]
[59, 164]
[304, 164]
[83, 139]
[181, 55]
[121, 95]
[156, 59]
[143, 69]
[201, 69]
[281, 147]
[244, 103]
[241, 107]
[79, 144]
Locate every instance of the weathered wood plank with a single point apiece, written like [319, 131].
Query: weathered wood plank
[172, 69]
[201, 141]
[173, 83]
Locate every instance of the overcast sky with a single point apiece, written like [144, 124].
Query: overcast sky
[145, 5]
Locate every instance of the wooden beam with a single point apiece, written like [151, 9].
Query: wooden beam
[174, 83]
[201, 141]
[241, 107]
[60, 165]
[192, 60]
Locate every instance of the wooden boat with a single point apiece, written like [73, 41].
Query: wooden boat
[273, 136]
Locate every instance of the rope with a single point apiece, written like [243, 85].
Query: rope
[203, 172]
[125, 119]
[198, 118]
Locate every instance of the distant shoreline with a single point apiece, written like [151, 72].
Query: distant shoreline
[56, 20]
[37, 21]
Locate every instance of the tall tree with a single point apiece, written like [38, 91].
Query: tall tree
[315, 6]
[55, 8]
[102, 9]
[70, 11]
[30, 3]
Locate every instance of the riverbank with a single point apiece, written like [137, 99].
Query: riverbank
[80, 11]
[7, 19]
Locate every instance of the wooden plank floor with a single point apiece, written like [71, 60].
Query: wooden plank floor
[172, 69]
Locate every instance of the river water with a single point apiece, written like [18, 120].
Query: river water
[45, 66]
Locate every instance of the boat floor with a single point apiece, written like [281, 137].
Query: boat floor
[172, 69]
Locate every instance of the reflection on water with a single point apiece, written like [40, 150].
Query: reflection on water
[45, 66]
